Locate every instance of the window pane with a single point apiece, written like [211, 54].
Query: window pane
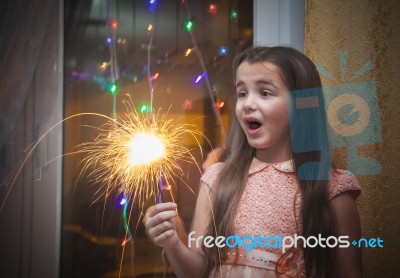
[106, 43]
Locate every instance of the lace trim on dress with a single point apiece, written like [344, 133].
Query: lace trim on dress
[256, 166]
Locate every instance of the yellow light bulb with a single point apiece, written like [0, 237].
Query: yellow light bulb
[188, 51]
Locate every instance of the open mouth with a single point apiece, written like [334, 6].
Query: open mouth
[253, 125]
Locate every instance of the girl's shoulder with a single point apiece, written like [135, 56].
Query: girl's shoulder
[343, 181]
[210, 175]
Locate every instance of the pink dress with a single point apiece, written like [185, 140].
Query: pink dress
[267, 208]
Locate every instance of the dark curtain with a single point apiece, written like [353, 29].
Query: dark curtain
[76, 14]
[23, 27]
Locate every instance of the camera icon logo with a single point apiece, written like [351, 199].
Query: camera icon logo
[353, 120]
[352, 117]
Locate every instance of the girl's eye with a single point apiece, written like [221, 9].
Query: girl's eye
[241, 94]
[265, 93]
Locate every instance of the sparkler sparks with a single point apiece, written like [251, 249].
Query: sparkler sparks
[145, 148]
[132, 151]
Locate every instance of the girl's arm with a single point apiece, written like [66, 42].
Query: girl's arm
[161, 228]
[348, 260]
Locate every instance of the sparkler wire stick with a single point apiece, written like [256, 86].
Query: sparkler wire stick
[160, 188]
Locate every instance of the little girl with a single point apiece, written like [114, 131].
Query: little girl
[258, 190]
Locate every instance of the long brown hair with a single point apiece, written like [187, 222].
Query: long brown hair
[298, 72]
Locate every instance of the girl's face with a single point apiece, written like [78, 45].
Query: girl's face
[262, 110]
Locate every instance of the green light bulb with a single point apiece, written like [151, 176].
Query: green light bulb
[189, 24]
[234, 14]
[144, 108]
[113, 88]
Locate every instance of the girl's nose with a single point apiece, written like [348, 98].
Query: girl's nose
[250, 103]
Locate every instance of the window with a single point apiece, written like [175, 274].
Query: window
[106, 43]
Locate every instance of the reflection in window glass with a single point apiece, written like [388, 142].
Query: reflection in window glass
[113, 51]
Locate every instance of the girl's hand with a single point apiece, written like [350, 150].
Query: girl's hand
[160, 225]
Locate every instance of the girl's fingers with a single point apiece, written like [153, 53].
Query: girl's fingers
[163, 237]
[154, 210]
[158, 219]
[154, 232]
[159, 223]
[153, 221]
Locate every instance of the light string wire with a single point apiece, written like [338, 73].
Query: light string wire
[151, 90]
[114, 76]
[207, 80]
[216, 112]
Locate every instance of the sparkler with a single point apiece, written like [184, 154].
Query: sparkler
[132, 151]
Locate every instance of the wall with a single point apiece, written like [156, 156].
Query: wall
[360, 31]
